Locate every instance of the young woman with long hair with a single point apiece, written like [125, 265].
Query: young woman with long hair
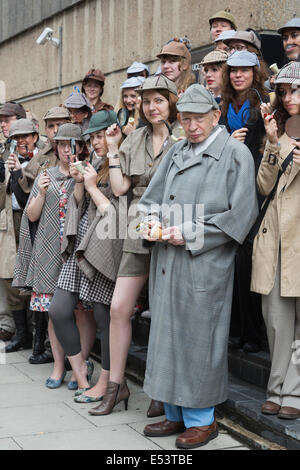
[133, 167]
[91, 261]
[275, 272]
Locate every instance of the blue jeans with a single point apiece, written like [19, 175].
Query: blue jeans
[190, 416]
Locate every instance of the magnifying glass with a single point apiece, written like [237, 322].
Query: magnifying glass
[292, 127]
[122, 117]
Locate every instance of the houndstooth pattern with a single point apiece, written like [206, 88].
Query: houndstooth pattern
[72, 279]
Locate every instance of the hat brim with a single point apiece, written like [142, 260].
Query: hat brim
[24, 133]
[195, 108]
[280, 30]
[291, 81]
[7, 113]
[68, 138]
[96, 129]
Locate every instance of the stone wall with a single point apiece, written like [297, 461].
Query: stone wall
[111, 34]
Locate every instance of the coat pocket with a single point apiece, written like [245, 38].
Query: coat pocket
[198, 276]
[3, 221]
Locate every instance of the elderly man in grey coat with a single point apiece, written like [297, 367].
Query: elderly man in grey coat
[200, 205]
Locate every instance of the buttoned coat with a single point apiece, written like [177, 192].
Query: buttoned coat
[281, 224]
[8, 246]
[191, 286]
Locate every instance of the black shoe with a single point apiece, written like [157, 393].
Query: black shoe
[234, 342]
[22, 339]
[39, 355]
[251, 348]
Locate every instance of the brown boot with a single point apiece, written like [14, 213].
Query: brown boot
[114, 394]
[155, 409]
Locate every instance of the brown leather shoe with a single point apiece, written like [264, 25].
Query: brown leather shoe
[270, 408]
[197, 436]
[164, 428]
[287, 412]
[155, 409]
[5, 335]
[114, 394]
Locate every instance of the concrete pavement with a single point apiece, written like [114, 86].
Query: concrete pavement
[33, 417]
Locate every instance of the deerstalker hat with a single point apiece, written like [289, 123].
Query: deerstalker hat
[13, 109]
[196, 99]
[101, 120]
[58, 112]
[290, 73]
[133, 82]
[245, 36]
[176, 48]
[223, 15]
[69, 131]
[243, 59]
[158, 82]
[294, 23]
[22, 127]
[214, 57]
[137, 67]
[77, 100]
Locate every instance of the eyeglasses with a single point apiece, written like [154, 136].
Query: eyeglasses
[7, 120]
[238, 47]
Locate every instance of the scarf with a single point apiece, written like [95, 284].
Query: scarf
[240, 119]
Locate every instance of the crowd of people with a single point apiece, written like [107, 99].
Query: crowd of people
[188, 189]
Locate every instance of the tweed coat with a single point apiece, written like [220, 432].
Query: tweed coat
[191, 286]
[38, 265]
[96, 253]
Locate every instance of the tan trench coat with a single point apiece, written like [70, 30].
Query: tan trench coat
[281, 225]
[8, 247]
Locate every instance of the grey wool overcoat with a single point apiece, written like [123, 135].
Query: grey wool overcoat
[190, 287]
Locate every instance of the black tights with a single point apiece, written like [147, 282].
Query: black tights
[62, 315]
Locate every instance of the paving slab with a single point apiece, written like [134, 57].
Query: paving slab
[40, 419]
[35, 417]
[9, 444]
[10, 374]
[14, 358]
[121, 437]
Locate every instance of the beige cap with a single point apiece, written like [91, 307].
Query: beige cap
[69, 131]
[177, 49]
[245, 36]
[58, 112]
[224, 15]
[158, 82]
[215, 57]
[21, 127]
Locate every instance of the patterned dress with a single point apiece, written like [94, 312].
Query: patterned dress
[72, 279]
[41, 302]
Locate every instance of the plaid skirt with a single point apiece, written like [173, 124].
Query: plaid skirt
[72, 279]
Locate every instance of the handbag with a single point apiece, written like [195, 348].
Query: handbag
[254, 230]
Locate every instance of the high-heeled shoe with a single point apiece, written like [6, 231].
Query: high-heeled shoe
[115, 393]
[52, 383]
